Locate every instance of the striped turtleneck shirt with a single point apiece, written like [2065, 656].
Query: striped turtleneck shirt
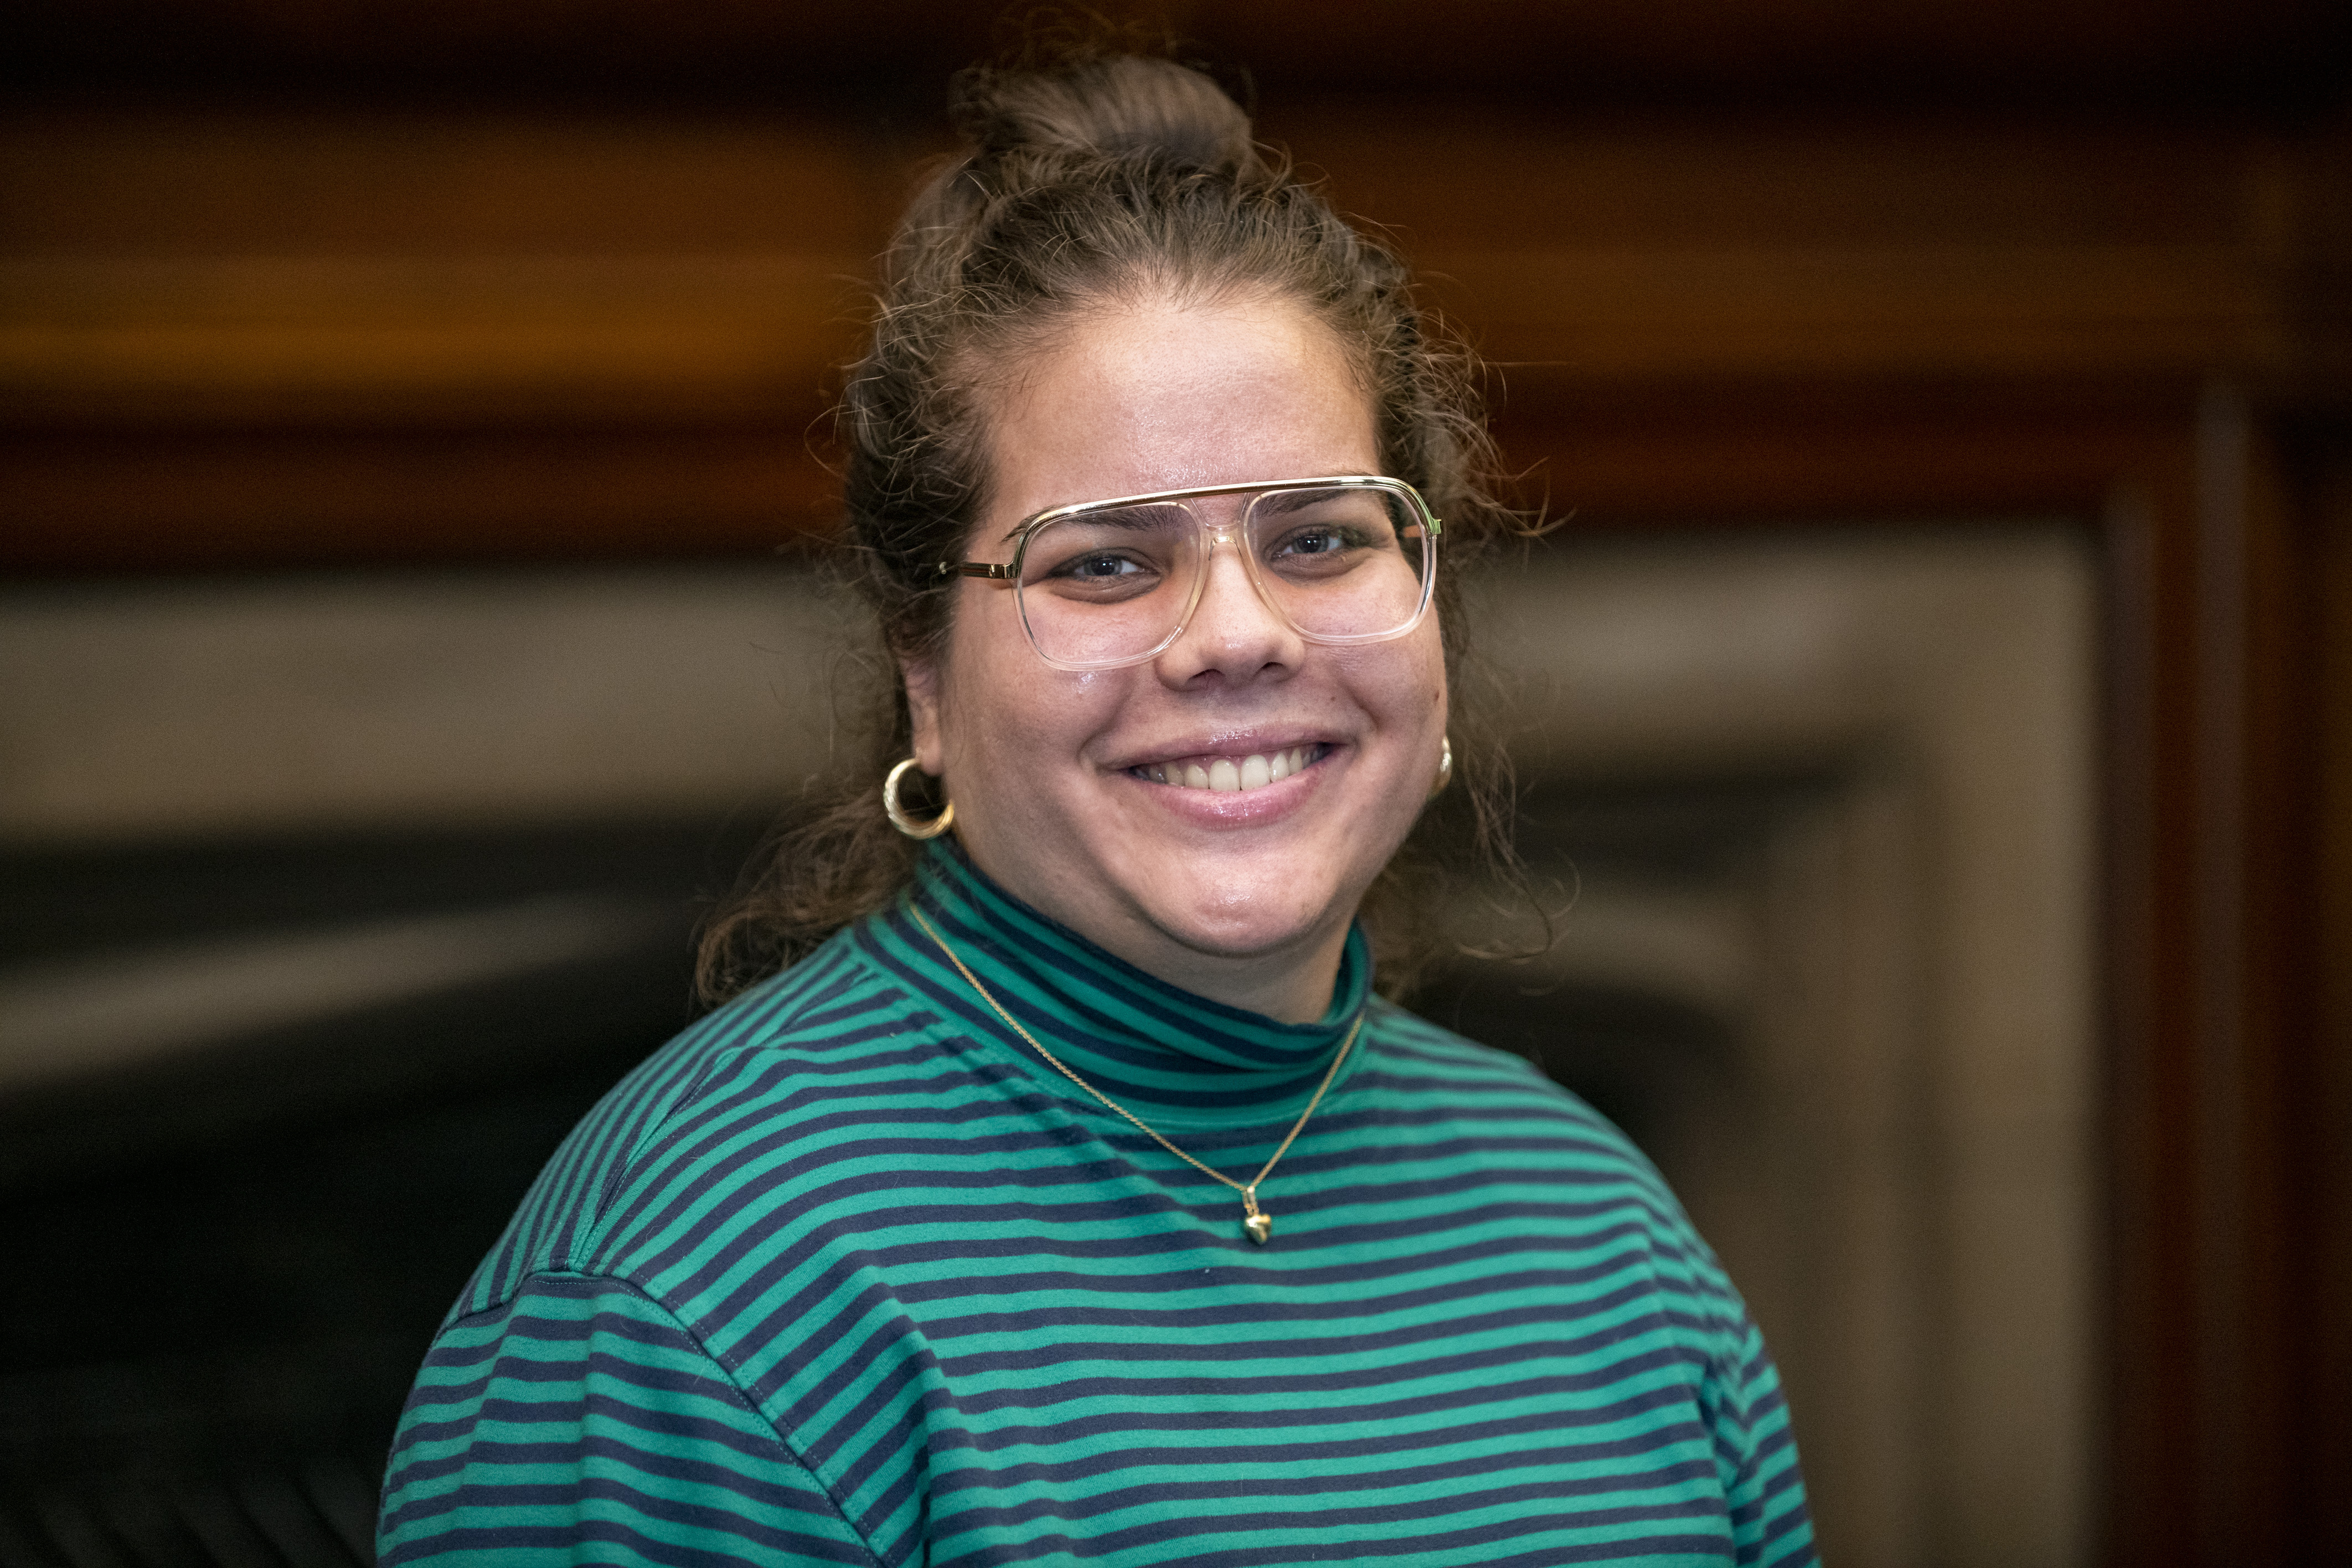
[847, 1273]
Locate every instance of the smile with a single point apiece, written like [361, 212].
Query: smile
[1231, 773]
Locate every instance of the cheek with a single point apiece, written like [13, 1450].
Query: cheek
[1401, 684]
[1007, 712]
[1432, 647]
[982, 678]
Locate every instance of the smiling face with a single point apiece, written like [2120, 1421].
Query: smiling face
[1094, 795]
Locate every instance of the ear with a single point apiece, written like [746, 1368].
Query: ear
[922, 679]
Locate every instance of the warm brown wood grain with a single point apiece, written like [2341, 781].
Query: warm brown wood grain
[2319, 1079]
[173, 499]
[360, 305]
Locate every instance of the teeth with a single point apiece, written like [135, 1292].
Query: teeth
[1223, 774]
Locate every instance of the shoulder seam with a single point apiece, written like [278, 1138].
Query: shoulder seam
[731, 1373]
[617, 1175]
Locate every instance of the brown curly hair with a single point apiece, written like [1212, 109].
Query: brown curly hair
[1087, 180]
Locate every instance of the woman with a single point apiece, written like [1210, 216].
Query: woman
[1077, 1197]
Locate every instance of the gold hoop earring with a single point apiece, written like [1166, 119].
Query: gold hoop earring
[1444, 770]
[901, 820]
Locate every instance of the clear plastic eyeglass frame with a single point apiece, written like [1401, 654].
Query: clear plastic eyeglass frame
[1423, 528]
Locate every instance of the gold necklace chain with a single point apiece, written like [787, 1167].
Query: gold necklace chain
[1255, 1221]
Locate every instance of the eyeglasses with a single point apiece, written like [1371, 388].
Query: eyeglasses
[1107, 583]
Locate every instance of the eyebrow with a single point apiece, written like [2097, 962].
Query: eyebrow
[1283, 500]
[1117, 518]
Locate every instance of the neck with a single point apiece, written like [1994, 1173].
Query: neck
[1290, 982]
[1294, 988]
[1167, 1052]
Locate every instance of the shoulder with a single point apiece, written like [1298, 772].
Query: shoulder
[1529, 1167]
[1456, 1076]
[1413, 1043]
[833, 1030]
[581, 1420]
[1530, 1145]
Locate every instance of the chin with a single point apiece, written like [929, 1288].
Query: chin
[1272, 912]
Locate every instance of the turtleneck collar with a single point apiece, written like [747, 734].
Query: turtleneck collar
[1175, 1058]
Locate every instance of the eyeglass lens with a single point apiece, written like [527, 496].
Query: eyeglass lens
[1112, 584]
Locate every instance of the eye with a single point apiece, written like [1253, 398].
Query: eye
[1102, 567]
[1318, 548]
[1317, 540]
[1319, 535]
[1093, 573]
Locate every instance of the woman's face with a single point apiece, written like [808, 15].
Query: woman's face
[1065, 783]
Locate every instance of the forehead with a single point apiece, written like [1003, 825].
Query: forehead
[1158, 396]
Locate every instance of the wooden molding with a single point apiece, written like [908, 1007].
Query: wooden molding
[1883, 314]
[255, 339]
[473, 339]
[436, 340]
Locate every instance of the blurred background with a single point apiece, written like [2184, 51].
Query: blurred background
[1939, 691]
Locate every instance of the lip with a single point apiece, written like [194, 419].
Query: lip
[1234, 744]
[1204, 770]
[1225, 809]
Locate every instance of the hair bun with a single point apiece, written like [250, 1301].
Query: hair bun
[1115, 105]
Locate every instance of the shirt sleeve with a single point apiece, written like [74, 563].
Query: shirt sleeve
[1756, 1449]
[582, 1418]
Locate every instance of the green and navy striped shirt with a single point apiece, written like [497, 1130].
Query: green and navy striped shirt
[846, 1274]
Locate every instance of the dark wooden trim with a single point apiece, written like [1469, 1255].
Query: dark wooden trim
[2316, 1087]
[2211, 893]
[2144, 1153]
[113, 502]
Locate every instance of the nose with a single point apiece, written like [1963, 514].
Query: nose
[1233, 637]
